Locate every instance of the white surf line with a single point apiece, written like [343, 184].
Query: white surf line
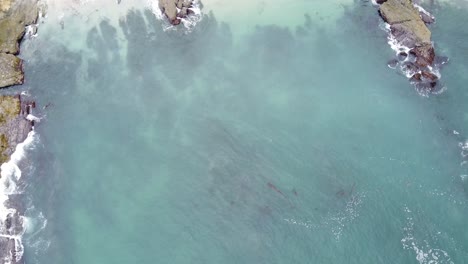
[10, 236]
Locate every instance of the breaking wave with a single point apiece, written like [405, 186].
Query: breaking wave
[12, 223]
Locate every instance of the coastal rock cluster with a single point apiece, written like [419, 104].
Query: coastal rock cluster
[15, 15]
[412, 39]
[175, 10]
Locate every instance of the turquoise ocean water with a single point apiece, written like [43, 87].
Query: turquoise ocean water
[270, 138]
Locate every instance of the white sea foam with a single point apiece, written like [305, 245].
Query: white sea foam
[335, 222]
[33, 118]
[422, 10]
[424, 252]
[10, 174]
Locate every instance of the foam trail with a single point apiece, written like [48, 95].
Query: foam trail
[10, 174]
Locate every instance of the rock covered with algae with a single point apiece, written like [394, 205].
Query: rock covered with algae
[15, 15]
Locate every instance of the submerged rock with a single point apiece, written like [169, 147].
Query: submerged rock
[15, 15]
[408, 28]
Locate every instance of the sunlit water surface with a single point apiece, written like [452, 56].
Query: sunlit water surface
[278, 135]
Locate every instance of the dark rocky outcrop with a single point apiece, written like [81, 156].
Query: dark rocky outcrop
[175, 10]
[15, 15]
[408, 27]
[14, 128]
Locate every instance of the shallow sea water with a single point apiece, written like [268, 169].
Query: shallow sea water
[281, 138]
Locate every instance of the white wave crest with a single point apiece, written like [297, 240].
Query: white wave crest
[425, 254]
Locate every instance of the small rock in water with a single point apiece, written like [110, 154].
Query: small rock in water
[428, 19]
[441, 60]
[409, 67]
[393, 63]
[402, 56]
[429, 76]
[416, 77]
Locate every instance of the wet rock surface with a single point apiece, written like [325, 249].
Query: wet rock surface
[14, 128]
[15, 15]
[408, 29]
[175, 10]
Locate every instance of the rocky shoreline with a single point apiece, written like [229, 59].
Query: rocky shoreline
[14, 129]
[176, 10]
[15, 16]
[410, 36]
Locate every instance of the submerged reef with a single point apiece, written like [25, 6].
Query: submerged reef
[15, 15]
[411, 39]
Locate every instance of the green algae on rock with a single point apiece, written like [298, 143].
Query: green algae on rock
[15, 15]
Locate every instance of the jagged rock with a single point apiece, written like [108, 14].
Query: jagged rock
[188, 3]
[416, 77]
[14, 127]
[402, 56]
[175, 9]
[428, 19]
[15, 15]
[429, 76]
[424, 55]
[410, 67]
[183, 12]
[408, 27]
[169, 8]
[380, 1]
